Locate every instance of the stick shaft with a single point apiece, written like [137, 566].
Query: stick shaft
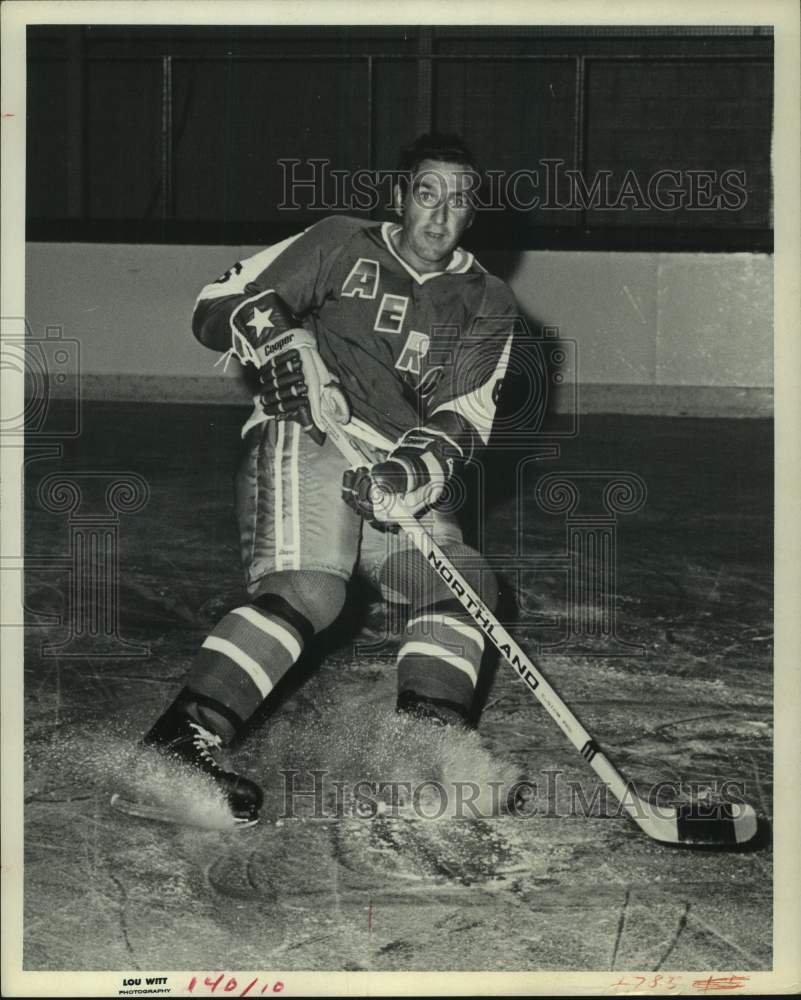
[504, 643]
[517, 659]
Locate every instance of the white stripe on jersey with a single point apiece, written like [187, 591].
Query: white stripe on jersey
[251, 269]
[477, 407]
[359, 429]
[460, 262]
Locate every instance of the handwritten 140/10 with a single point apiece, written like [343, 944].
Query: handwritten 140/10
[231, 984]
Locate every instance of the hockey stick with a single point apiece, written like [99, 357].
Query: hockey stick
[725, 824]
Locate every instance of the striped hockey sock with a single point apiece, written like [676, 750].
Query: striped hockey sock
[248, 652]
[441, 654]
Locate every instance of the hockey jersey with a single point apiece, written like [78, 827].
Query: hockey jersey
[403, 345]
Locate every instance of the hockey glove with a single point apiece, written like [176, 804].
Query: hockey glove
[417, 469]
[296, 383]
[292, 374]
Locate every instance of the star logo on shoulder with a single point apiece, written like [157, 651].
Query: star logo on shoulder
[261, 323]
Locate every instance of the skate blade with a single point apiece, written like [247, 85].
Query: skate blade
[143, 811]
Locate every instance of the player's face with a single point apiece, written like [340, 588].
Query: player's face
[436, 211]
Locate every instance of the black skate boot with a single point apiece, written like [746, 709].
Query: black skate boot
[184, 732]
[439, 711]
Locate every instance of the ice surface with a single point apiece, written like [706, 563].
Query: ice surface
[559, 888]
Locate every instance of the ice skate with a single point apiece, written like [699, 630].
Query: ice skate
[179, 735]
[438, 711]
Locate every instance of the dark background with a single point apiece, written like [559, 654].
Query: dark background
[172, 134]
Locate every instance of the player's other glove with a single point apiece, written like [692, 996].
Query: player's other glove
[417, 469]
[366, 489]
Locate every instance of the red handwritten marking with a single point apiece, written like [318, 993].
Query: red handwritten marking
[231, 984]
[667, 982]
[722, 983]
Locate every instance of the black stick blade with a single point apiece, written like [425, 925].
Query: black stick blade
[722, 824]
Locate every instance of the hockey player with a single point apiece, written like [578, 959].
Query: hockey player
[416, 336]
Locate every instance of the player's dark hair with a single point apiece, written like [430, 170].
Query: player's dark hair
[441, 146]
[447, 148]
